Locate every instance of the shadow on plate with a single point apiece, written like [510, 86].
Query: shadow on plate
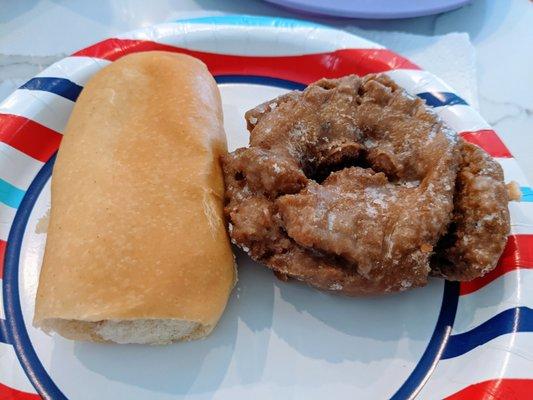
[317, 325]
[198, 366]
[385, 321]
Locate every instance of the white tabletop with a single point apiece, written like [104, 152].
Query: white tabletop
[35, 33]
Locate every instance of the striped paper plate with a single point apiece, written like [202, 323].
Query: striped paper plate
[276, 340]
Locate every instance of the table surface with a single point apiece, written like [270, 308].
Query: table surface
[35, 33]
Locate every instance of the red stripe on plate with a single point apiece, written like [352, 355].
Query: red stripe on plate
[7, 393]
[330, 65]
[518, 254]
[497, 389]
[489, 141]
[2, 253]
[30, 137]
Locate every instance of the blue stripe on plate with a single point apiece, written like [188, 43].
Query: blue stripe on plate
[3, 332]
[519, 319]
[71, 91]
[527, 194]
[250, 20]
[260, 80]
[10, 195]
[436, 345]
[60, 86]
[439, 99]
[17, 335]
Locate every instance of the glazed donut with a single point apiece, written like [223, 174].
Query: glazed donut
[349, 186]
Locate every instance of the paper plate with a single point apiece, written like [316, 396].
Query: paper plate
[276, 340]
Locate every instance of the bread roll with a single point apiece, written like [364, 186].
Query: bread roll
[137, 250]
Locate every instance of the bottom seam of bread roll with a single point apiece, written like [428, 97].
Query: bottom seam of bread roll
[137, 331]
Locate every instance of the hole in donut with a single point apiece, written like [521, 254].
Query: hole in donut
[239, 176]
[320, 172]
[334, 158]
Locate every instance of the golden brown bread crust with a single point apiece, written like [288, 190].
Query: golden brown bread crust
[347, 186]
[136, 227]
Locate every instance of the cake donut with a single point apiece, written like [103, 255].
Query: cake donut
[353, 186]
